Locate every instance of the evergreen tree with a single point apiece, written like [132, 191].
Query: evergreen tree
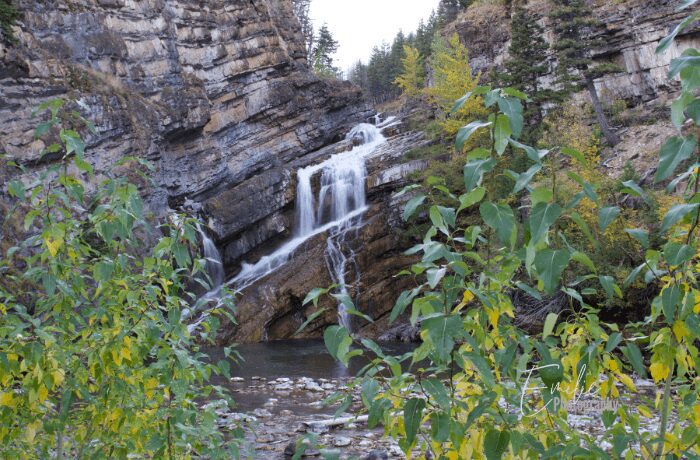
[358, 75]
[8, 16]
[323, 51]
[449, 9]
[526, 64]
[573, 26]
[378, 72]
[301, 11]
[425, 35]
[411, 79]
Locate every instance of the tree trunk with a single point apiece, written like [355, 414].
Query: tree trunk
[609, 134]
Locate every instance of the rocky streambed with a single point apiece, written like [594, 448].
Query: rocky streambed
[286, 397]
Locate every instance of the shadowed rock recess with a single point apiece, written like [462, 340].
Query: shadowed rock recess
[218, 96]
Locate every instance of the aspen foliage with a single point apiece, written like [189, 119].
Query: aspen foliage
[412, 78]
[452, 78]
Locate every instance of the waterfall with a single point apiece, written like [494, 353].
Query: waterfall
[340, 199]
[214, 266]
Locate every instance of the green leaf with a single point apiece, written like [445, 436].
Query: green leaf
[608, 285]
[460, 102]
[437, 391]
[500, 218]
[442, 331]
[412, 417]
[525, 178]
[404, 300]
[634, 355]
[677, 254]
[541, 218]
[677, 213]
[613, 341]
[634, 274]
[314, 295]
[550, 265]
[495, 444]
[632, 188]
[640, 235]
[676, 150]
[466, 132]
[41, 129]
[549, 324]
[513, 109]
[502, 134]
[575, 154]
[338, 341]
[482, 366]
[583, 259]
[16, 188]
[694, 111]
[470, 199]
[474, 172]
[687, 60]
[440, 426]
[310, 319]
[666, 42]
[606, 216]
[434, 275]
[670, 300]
[412, 206]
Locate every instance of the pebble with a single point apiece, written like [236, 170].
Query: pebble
[342, 441]
[237, 379]
[262, 413]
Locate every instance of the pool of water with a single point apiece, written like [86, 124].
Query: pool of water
[293, 359]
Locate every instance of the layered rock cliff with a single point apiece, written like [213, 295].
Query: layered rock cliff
[630, 32]
[217, 95]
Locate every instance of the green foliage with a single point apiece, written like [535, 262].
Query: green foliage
[95, 360]
[8, 16]
[574, 27]
[462, 393]
[527, 63]
[322, 53]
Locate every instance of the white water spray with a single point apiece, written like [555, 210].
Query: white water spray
[340, 200]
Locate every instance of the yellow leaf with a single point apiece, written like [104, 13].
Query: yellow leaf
[493, 317]
[30, 431]
[58, 376]
[7, 399]
[644, 410]
[659, 371]
[43, 393]
[53, 245]
[126, 353]
[680, 330]
[626, 381]
[117, 357]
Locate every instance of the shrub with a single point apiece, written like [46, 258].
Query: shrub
[95, 360]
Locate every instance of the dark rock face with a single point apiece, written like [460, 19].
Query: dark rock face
[217, 95]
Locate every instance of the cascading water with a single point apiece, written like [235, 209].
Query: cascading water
[340, 199]
[215, 272]
[214, 265]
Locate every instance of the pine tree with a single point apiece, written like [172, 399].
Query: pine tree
[358, 75]
[8, 16]
[526, 64]
[411, 79]
[301, 11]
[323, 51]
[574, 25]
